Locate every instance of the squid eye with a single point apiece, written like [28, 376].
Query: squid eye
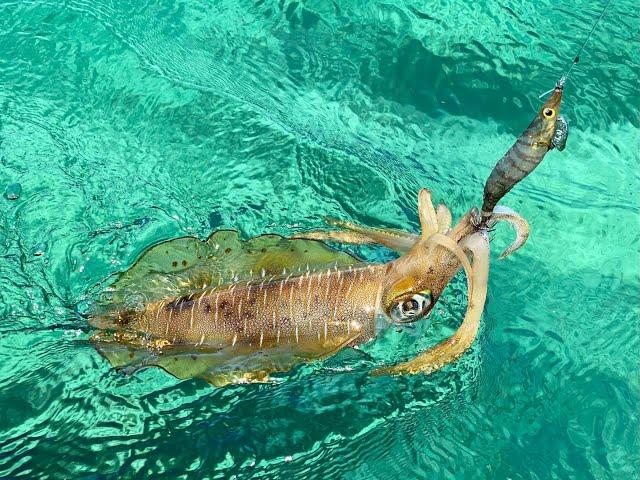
[411, 308]
[548, 112]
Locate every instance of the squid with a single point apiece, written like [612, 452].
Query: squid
[228, 310]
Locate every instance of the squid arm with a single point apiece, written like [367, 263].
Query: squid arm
[443, 216]
[428, 215]
[518, 223]
[335, 236]
[450, 349]
[396, 240]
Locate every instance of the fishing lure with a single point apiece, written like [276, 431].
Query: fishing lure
[231, 311]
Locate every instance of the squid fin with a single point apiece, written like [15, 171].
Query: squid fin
[219, 368]
[239, 365]
[181, 266]
[126, 358]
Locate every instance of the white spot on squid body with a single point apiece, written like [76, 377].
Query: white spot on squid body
[349, 287]
[261, 337]
[201, 340]
[159, 310]
[308, 306]
[335, 307]
[326, 297]
[215, 320]
[291, 302]
[234, 340]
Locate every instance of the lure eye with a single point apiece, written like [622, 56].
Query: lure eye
[548, 112]
[412, 308]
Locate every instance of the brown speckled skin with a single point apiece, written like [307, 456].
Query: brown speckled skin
[318, 311]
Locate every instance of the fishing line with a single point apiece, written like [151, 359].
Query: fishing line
[576, 59]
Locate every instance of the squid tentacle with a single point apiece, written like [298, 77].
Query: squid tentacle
[428, 216]
[353, 238]
[443, 215]
[519, 224]
[450, 349]
[394, 239]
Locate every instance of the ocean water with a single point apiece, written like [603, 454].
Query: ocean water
[130, 122]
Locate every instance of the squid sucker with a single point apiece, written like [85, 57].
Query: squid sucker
[232, 311]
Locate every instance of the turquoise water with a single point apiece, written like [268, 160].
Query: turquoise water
[126, 123]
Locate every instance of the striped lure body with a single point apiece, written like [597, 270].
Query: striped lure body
[546, 131]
